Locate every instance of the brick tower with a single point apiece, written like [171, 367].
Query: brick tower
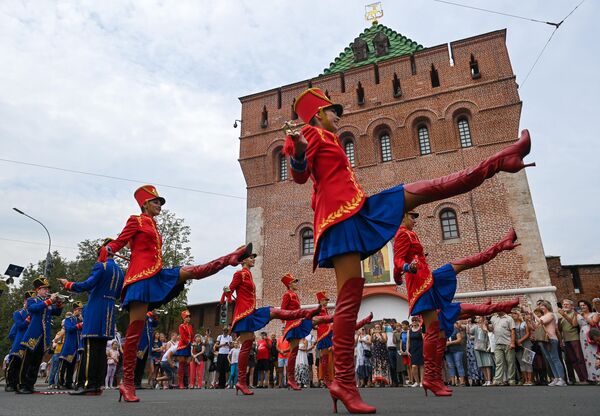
[410, 113]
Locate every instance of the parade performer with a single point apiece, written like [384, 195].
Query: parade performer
[143, 348]
[147, 284]
[325, 338]
[68, 355]
[104, 287]
[430, 294]
[37, 338]
[15, 355]
[184, 348]
[349, 226]
[247, 318]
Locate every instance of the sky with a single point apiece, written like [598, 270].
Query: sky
[148, 91]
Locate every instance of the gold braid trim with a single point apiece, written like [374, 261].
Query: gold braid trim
[422, 289]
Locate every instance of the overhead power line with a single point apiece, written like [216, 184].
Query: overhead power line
[37, 243]
[500, 13]
[99, 175]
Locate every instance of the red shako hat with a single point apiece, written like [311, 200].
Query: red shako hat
[321, 295]
[147, 193]
[287, 279]
[311, 101]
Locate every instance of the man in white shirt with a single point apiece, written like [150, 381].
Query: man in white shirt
[503, 327]
[223, 345]
[310, 347]
[167, 364]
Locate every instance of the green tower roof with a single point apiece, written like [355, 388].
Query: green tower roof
[398, 45]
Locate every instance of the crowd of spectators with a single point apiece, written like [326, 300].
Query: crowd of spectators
[533, 345]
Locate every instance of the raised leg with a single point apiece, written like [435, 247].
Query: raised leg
[509, 159]
[212, 267]
[507, 243]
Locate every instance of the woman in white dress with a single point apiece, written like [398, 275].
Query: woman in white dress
[302, 370]
[588, 319]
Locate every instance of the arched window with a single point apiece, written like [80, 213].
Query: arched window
[386, 147]
[424, 144]
[449, 224]
[283, 169]
[308, 242]
[464, 132]
[349, 149]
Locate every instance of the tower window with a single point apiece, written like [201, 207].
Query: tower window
[308, 242]
[283, 169]
[349, 149]
[264, 118]
[386, 147]
[424, 144]
[464, 132]
[449, 224]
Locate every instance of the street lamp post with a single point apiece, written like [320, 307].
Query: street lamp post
[48, 255]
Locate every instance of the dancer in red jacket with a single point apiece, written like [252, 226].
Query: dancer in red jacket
[430, 294]
[184, 348]
[247, 318]
[147, 284]
[349, 226]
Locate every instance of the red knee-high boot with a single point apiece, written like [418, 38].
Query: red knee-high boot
[181, 375]
[440, 351]
[344, 319]
[291, 370]
[364, 321]
[507, 243]
[432, 377]
[468, 310]
[509, 159]
[290, 315]
[127, 386]
[318, 320]
[324, 363]
[210, 268]
[241, 384]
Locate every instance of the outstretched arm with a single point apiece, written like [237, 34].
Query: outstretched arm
[87, 285]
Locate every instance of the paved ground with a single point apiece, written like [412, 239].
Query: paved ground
[504, 401]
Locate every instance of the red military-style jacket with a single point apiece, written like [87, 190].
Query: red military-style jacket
[323, 329]
[146, 248]
[245, 302]
[290, 302]
[336, 193]
[407, 248]
[186, 332]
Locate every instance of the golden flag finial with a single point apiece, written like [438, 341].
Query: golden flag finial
[373, 12]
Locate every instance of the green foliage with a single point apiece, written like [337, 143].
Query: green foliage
[176, 252]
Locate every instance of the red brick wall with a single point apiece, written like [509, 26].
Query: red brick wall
[562, 277]
[493, 108]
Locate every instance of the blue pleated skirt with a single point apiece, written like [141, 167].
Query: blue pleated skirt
[156, 290]
[184, 352]
[300, 331]
[367, 231]
[439, 297]
[253, 322]
[326, 342]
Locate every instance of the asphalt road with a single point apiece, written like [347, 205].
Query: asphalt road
[504, 401]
